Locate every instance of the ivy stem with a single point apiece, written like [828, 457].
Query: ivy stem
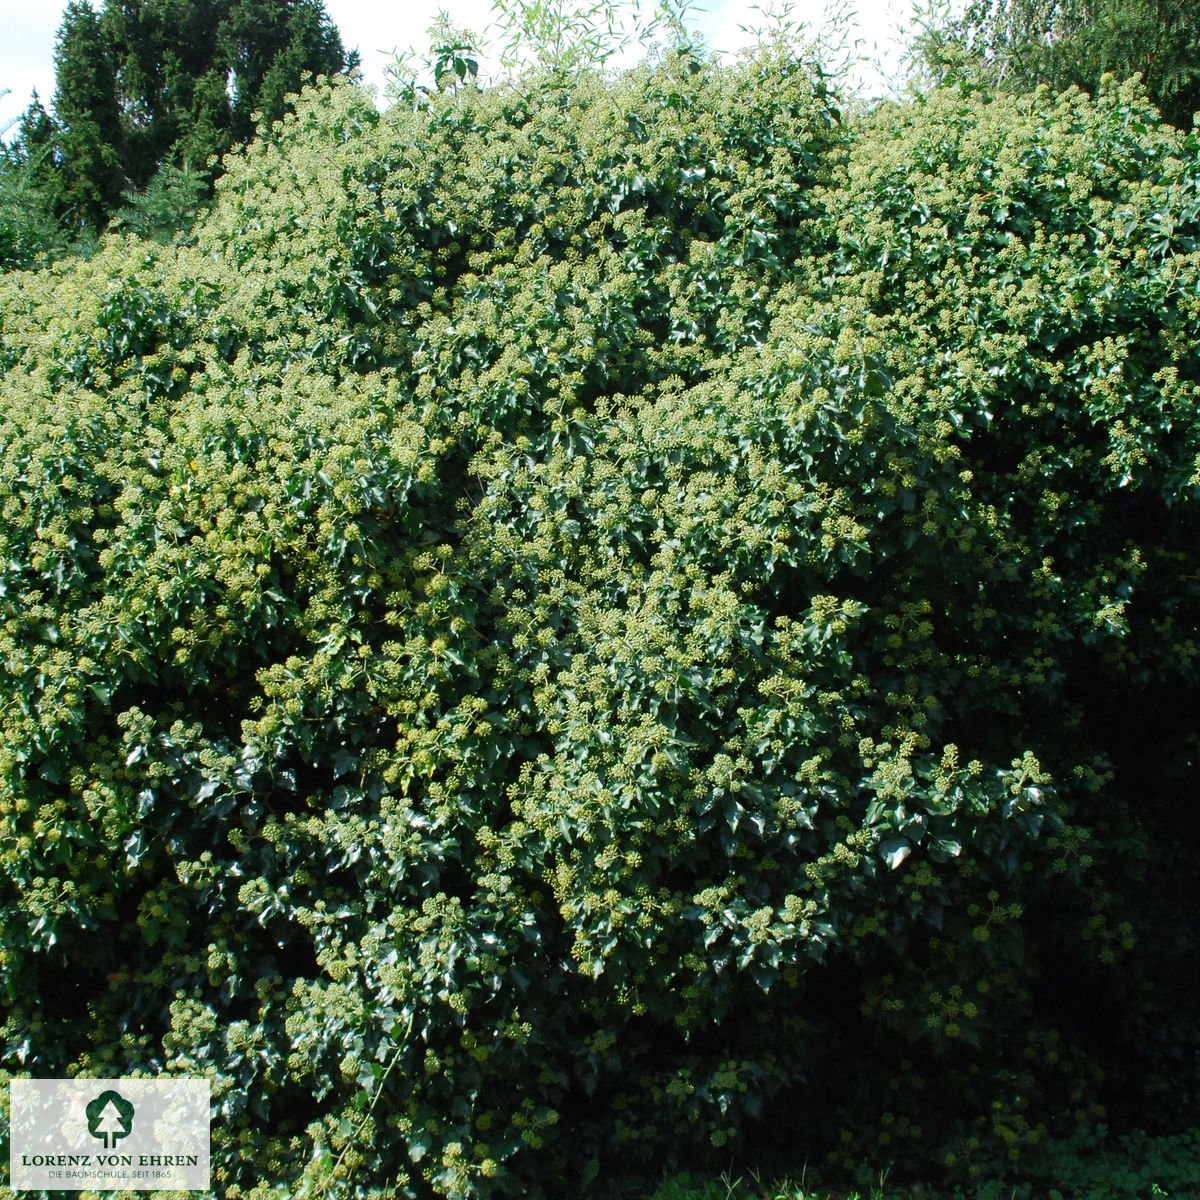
[350, 1141]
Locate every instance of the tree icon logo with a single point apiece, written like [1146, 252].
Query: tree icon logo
[109, 1117]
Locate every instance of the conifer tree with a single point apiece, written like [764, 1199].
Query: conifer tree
[88, 116]
[28, 191]
[164, 50]
[267, 45]
[147, 84]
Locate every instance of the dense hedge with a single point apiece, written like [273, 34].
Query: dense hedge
[634, 623]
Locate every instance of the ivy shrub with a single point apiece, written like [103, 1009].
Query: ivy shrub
[601, 625]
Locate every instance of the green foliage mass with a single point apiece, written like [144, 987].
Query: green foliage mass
[1021, 43]
[27, 225]
[629, 623]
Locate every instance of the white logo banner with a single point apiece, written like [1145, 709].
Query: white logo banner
[122, 1134]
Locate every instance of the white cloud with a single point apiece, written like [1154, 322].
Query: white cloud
[376, 27]
[27, 56]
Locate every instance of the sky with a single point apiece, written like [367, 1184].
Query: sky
[377, 26]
